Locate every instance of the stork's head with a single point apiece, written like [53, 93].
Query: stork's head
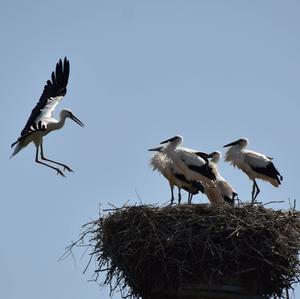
[242, 143]
[215, 156]
[66, 113]
[176, 140]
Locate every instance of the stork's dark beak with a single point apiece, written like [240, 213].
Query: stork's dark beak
[77, 120]
[232, 143]
[210, 155]
[168, 140]
[155, 149]
[203, 155]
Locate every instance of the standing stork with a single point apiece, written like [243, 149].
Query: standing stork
[41, 122]
[192, 166]
[255, 165]
[225, 190]
[159, 161]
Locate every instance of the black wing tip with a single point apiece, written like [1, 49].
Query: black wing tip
[270, 170]
[63, 66]
[279, 177]
[66, 65]
[63, 61]
[60, 77]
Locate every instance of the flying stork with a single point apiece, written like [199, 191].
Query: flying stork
[255, 165]
[224, 189]
[160, 162]
[41, 122]
[192, 166]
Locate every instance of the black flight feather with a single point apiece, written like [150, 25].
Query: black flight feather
[54, 88]
[270, 171]
[204, 170]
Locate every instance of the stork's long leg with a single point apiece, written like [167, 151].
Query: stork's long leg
[63, 165]
[40, 162]
[253, 190]
[172, 194]
[190, 198]
[257, 190]
[179, 195]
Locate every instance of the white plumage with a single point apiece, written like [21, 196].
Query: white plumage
[160, 162]
[192, 166]
[223, 191]
[255, 165]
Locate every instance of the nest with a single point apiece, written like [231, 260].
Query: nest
[147, 248]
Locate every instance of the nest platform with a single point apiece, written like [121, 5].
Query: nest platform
[198, 251]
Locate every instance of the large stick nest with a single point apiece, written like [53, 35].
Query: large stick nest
[143, 248]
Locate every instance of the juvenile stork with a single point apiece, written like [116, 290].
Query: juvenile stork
[191, 165]
[41, 122]
[224, 189]
[170, 171]
[255, 165]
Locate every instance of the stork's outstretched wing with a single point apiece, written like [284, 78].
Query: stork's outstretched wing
[54, 90]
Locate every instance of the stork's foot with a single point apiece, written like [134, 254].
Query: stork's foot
[59, 172]
[68, 168]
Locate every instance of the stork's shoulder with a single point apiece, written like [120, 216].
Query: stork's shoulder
[190, 157]
[255, 158]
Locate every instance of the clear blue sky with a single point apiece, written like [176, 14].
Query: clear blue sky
[141, 72]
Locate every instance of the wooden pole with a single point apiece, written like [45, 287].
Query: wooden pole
[197, 291]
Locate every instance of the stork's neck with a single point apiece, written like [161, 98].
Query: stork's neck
[58, 124]
[62, 120]
[215, 159]
[169, 149]
[232, 153]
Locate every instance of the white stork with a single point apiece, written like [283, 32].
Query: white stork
[41, 122]
[225, 192]
[192, 166]
[255, 165]
[170, 171]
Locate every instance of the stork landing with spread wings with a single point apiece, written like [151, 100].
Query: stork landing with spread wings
[255, 165]
[41, 122]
